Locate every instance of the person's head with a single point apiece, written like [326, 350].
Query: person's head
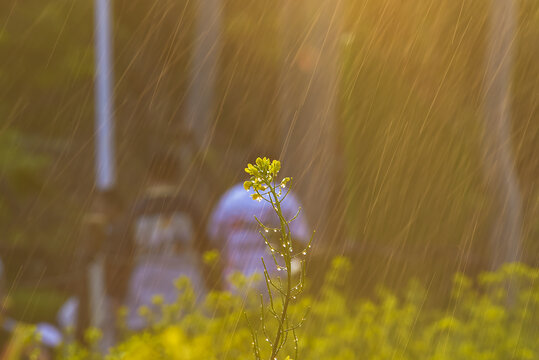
[112, 201]
[164, 168]
[107, 205]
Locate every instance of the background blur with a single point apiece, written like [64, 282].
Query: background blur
[411, 151]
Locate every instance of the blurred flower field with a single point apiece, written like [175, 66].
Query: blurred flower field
[479, 323]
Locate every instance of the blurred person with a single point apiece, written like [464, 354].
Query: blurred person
[233, 229]
[167, 243]
[104, 229]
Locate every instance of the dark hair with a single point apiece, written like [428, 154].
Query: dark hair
[110, 202]
[112, 198]
[164, 166]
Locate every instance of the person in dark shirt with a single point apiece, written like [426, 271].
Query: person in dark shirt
[104, 234]
[162, 240]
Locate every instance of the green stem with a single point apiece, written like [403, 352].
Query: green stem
[285, 238]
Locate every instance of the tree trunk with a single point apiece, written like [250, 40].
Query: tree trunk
[500, 168]
[204, 70]
[309, 97]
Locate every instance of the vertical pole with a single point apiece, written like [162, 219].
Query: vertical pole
[104, 159]
[105, 175]
[499, 163]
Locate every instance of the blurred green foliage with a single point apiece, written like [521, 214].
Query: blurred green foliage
[19, 179]
[34, 305]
